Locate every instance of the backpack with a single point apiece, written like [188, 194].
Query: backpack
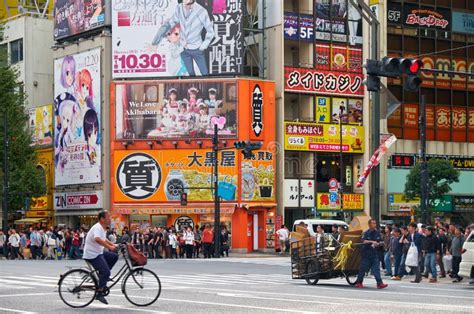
[52, 240]
[137, 258]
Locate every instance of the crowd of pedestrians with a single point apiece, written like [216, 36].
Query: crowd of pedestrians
[154, 242]
[423, 249]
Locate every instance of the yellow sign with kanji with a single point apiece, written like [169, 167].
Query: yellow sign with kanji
[351, 202]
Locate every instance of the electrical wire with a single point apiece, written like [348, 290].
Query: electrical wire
[447, 50]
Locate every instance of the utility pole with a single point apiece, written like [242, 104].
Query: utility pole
[217, 209]
[424, 165]
[341, 162]
[5, 173]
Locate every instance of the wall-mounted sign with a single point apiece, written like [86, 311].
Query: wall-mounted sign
[41, 125]
[464, 203]
[301, 136]
[298, 26]
[426, 17]
[463, 22]
[78, 200]
[183, 222]
[257, 110]
[409, 161]
[299, 193]
[323, 82]
[350, 202]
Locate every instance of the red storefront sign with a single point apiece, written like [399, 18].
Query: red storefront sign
[323, 82]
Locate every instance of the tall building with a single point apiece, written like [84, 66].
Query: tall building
[441, 34]
[320, 90]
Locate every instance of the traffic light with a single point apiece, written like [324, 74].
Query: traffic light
[393, 67]
[248, 147]
[184, 199]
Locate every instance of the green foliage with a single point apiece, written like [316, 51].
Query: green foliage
[25, 180]
[441, 174]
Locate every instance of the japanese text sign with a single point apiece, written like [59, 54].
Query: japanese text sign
[350, 202]
[299, 193]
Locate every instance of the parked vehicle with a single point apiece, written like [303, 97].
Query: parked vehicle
[466, 268]
[325, 224]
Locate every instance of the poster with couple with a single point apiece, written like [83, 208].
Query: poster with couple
[177, 38]
[175, 109]
[77, 120]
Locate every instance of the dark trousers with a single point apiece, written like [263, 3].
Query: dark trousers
[34, 251]
[398, 261]
[197, 248]
[15, 252]
[456, 262]
[103, 264]
[156, 247]
[370, 262]
[196, 55]
[417, 272]
[439, 259]
[75, 252]
[207, 250]
[189, 250]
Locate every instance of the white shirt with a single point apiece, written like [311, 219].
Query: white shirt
[92, 249]
[14, 240]
[283, 234]
[189, 238]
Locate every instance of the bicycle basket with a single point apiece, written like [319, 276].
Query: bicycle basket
[136, 257]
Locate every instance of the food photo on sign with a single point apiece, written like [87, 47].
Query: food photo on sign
[159, 39]
[77, 102]
[174, 109]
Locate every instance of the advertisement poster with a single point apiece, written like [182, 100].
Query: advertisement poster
[463, 22]
[350, 202]
[175, 109]
[161, 176]
[41, 125]
[158, 39]
[258, 177]
[322, 57]
[323, 82]
[301, 136]
[72, 17]
[77, 123]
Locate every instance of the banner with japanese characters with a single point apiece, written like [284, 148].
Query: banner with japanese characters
[258, 177]
[299, 193]
[303, 80]
[351, 202]
[175, 109]
[77, 123]
[72, 17]
[300, 136]
[163, 175]
[41, 125]
[177, 38]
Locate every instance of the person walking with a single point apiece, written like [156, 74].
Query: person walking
[197, 241]
[188, 242]
[14, 243]
[369, 259]
[430, 249]
[3, 244]
[75, 251]
[158, 240]
[173, 243]
[443, 243]
[207, 239]
[405, 247]
[414, 240]
[387, 239]
[283, 236]
[224, 241]
[456, 251]
[396, 250]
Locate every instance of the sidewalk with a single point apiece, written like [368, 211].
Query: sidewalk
[257, 255]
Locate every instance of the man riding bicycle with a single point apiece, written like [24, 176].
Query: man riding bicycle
[94, 253]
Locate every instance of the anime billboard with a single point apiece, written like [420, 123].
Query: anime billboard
[177, 38]
[41, 125]
[77, 103]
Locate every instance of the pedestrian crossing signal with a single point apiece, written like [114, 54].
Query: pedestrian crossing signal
[184, 199]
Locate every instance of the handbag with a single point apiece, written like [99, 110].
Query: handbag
[226, 190]
[448, 262]
[412, 256]
[137, 258]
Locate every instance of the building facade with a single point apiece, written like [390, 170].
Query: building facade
[440, 34]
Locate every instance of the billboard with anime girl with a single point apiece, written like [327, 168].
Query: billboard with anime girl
[77, 102]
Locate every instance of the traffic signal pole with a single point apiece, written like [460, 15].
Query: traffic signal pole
[217, 207]
[5, 174]
[424, 165]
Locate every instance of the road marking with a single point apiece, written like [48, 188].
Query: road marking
[15, 311]
[246, 296]
[25, 283]
[106, 306]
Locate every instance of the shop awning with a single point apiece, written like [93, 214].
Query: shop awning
[166, 209]
[29, 221]
[259, 205]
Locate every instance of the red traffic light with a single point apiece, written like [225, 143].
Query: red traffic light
[415, 66]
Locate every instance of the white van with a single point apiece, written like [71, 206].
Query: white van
[326, 224]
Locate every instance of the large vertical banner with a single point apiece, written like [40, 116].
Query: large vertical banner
[77, 103]
[177, 38]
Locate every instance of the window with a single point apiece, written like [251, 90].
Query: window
[16, 51]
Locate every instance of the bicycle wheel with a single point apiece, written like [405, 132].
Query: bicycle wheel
[77, 288]
[141, 287]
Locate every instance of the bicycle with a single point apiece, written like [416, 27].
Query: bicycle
[78, 287]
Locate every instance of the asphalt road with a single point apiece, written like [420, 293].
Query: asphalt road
[231, 285]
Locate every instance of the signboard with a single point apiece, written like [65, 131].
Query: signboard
[301, 136]
[351, 202]
[170, 210]
[463, 22]
[448, 81]
[329, 110]
[183, 222]
[258, 177]
[445, 204]
[298, 26]
[323, 82]
[426, 17]
[72, 17]
[39, 203]
[323, 109]
[464, 203]
[78, 200]
[159, 39]
[397, 202]
[77, 132]
[176, 109]
[41, 125]
[299, 193]
[161, 176]
[409, 161]
[257, 111]
[394, 13]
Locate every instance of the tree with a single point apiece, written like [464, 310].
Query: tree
[25, 179]
[441, 174]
